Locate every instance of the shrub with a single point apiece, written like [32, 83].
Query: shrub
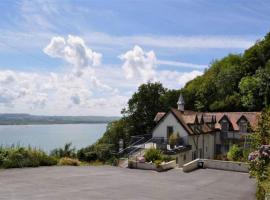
[235, 153]
[167, 158]
[66, 151]
[152, 154]
[69, 161]
[101, 152]
[174, 139]
[158, 163]
[14, 157]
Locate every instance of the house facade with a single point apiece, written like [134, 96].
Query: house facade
[202, 134]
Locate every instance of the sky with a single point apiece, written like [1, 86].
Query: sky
[62, 57]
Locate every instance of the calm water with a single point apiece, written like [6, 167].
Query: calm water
[48, 137]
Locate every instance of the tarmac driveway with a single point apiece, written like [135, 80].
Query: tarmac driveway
[92, 183]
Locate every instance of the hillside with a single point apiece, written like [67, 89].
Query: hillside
[238, 82]
[17, 119]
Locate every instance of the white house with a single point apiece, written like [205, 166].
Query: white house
[203, 134]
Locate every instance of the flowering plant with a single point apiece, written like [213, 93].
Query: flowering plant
[259, 161]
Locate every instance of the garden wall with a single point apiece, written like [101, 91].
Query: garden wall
[226, 165]
[216, 164]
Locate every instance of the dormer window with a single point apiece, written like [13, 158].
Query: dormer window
[242, 124]
[242, 127]
[224, 126]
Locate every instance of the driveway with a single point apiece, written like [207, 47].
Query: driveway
[92, 183]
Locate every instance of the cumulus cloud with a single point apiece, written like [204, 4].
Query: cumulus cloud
[139, 64]
[74, 51]
[57, 93]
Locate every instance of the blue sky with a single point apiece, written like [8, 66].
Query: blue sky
[88, 57]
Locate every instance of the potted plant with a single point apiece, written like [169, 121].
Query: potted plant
[173, 140]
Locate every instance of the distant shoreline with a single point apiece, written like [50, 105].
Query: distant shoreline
[21, 124]
[27, 119]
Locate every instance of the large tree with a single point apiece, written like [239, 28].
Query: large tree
[142, 108]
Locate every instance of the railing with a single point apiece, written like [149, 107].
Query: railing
[140, 147]
[230, 135]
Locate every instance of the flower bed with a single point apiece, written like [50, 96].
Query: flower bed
[152, 166]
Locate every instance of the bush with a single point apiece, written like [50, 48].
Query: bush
[167, 158]
[69, 161]
[151, 155]
[158, 163]
[174, 139]
[235, 153]
[14, 157]
[66, 151]
[101, 152]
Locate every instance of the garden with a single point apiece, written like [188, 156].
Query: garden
[153, 159]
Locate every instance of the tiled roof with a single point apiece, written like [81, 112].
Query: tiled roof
[252, 118]
[188, 117]
[158, 116]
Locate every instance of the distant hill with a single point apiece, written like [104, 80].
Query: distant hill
[20, 119]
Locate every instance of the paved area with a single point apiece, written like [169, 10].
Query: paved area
[57, 183]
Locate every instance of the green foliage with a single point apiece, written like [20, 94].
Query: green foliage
[98, 151]
[245, 77]
[14, 157]
[174, 139]
[152, 154]
[66, 151]
[158, 163]
[142, 108]
[69, 161]
[235, 153]
[167, 158]
[260, 160]
[262, 132]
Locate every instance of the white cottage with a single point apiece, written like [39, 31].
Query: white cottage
[203, 134]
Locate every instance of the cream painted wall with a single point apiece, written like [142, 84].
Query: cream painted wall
[170, 120]
[206, 142]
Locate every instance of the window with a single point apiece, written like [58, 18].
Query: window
[206, 149]
[243, 127]
[169, 131]
[184, 157]
[224, 126]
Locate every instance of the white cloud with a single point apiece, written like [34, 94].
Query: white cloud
[181, 64]
[74, 51]
[139, 64]
[174, 42]
[57, 93]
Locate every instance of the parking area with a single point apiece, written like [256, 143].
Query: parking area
[114, 183]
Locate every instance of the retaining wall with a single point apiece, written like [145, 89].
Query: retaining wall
[216, 164]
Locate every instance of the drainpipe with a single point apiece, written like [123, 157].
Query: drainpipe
[203, 147]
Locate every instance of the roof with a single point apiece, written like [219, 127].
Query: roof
[252, 117]
[158, 116]
[187, 118]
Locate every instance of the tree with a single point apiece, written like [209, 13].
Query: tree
[249, 88]
[169, 99]
[262, 132]
[142, 108]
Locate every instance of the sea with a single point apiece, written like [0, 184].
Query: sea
[49, 137]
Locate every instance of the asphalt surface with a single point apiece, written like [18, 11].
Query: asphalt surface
[93, 183]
